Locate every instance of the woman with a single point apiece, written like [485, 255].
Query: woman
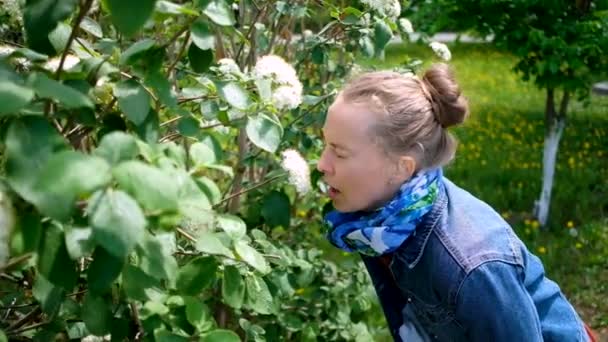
[446, 266]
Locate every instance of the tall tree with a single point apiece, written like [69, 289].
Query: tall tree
[562, 46]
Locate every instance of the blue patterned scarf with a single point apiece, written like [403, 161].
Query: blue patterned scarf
[385, 229]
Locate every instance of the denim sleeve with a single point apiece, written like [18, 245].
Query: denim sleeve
[493, 304]
[391, 298]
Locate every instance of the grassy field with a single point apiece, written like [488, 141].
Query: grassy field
[499, 160]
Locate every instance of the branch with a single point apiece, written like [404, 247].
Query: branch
[29, 327]
[84, 8]
[140, 331]
[28, 317]
[237, 194]
[179, 54]
[184, 28]
[15, 261]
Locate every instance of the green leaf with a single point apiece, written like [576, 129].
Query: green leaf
[155, 308]
[117, 220]
[136, 51]
[233, 287]
[104, 269]
[197, 275]
[202, 36]
[167, 7]
[161, 335]
[382, 35]
[208, 242]
[27, 238]
[202, 154]
[154, 189]
[209, 109]
[188, 126]
[259, 298]
[13, 97]
[200, 60]
[367, 46]
[59, 36]
[48, 295]
[210, 189]
[149, 130]
[41, 17]
[79, 241]
[219, 12]
[251, 256]
[91, 26]
[133, 100]
[276, 209]
[54, 262]
[140, 286]
[117, 146]
[264, 86]
[68, 175]
[198, 313]
[96, 314]
[129, 16]
[221, 335]
[30, 141]
[232, 225]
[157, 256]
[264, 132]
[234, 94]
[161, 86]
[54, 90]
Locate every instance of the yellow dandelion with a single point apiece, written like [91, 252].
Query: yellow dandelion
[579, 245]
[542, 250]
[570, 224]
[535, 224]
[586, 145]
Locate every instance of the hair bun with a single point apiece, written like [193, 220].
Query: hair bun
[449, 106]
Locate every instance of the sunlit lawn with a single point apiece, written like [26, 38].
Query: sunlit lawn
[499, 160]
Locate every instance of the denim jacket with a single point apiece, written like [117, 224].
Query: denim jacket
[465, 276]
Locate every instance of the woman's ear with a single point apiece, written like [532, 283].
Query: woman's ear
[406, 167]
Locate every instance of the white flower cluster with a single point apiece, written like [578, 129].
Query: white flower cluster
[441, 50]
[288, 94]
[298, 170]
[405, 26]
[389, 8]
[7, 222]
[228, 66]
[53, 64]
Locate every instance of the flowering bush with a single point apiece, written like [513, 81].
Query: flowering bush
[154, 185]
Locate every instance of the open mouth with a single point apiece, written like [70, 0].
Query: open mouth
[332, 192]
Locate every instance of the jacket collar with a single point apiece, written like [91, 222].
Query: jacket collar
[413, 248]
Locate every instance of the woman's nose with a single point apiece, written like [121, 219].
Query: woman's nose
[323, 165]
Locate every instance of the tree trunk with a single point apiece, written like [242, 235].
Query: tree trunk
[555, 124]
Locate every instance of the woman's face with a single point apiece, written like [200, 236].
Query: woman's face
[359, 173]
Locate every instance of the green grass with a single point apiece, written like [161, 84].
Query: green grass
[500, 161]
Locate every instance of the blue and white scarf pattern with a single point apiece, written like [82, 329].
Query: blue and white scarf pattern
[385, 229]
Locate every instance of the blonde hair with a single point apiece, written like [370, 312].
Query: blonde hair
[415, 113]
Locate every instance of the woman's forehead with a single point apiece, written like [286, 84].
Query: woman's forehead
[347, 117]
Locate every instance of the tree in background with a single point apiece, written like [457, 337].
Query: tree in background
[562, 46]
